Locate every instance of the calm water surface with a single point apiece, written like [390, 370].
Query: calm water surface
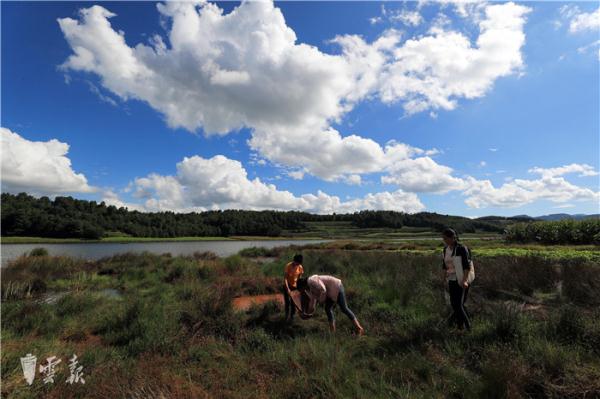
[93, 251]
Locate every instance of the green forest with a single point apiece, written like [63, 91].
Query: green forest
[66, 217]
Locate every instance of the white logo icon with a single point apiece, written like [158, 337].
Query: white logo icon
[76, 374]
[49, 371]
[28, 366]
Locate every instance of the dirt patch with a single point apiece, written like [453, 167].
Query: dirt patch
[244, 303]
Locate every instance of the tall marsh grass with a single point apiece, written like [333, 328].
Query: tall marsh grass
[171, 332]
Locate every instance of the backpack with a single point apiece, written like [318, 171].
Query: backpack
[457, 260]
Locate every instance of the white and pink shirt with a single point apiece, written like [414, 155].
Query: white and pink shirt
[322, 287]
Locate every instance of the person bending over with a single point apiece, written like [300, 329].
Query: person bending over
[327, 290]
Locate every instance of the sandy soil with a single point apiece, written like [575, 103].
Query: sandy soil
[244, 303]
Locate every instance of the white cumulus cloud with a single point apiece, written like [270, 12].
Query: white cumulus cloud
[434, 71]
[40, 167]
[223, 183]
[423, 174]
[582, 21]
[581, 169]
[222, 72]
[550, 186]
[407, 17]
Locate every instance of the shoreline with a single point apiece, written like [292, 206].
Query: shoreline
[126, 240]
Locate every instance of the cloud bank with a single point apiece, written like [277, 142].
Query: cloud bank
[40, 167]
[220, 72]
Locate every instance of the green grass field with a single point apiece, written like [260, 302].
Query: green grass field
[346, 230]
[160, 326]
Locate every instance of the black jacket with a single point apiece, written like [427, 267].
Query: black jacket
[462, 251]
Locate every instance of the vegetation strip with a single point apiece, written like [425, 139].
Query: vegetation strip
[168, 328]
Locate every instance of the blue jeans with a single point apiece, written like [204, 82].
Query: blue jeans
[341, 300]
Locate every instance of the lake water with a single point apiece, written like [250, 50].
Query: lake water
[93, 251]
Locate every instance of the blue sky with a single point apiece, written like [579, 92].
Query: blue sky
[235, 114]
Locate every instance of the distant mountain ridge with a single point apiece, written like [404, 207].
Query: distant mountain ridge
[547, 218]
[562, 216]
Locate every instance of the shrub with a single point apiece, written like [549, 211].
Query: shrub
[503, 374]
[550, 356]
[174, 273]
[507, 322]
[40, 251]
[570, 324]
[206, 255]
[26, 317]
[256, 340]
[581, 282]
[72, 304]
[208, 311]
[205, 273]
[121, 324]
[233, 263]
[255, 252]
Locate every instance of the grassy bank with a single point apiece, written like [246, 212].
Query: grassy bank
[171, 332]
[347, 230]
[486, 248]
[314, 230]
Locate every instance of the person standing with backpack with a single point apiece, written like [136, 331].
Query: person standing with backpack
[459, 273]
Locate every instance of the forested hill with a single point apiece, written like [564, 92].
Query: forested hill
[66, 217]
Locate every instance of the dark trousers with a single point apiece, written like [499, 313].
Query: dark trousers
[290, 309]
[458, 296]
[341, 300]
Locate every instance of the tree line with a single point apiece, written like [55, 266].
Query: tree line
[67, 217]
[586, 231]
[434, 221]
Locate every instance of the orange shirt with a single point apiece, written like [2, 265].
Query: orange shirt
[292, 272]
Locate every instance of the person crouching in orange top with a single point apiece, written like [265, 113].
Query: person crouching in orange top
[293, 271]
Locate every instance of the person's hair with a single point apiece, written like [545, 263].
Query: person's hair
[302, 283]
[298, 258]
[450, 233]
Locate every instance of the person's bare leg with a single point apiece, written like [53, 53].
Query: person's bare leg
[344, 308]
[359, 329]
